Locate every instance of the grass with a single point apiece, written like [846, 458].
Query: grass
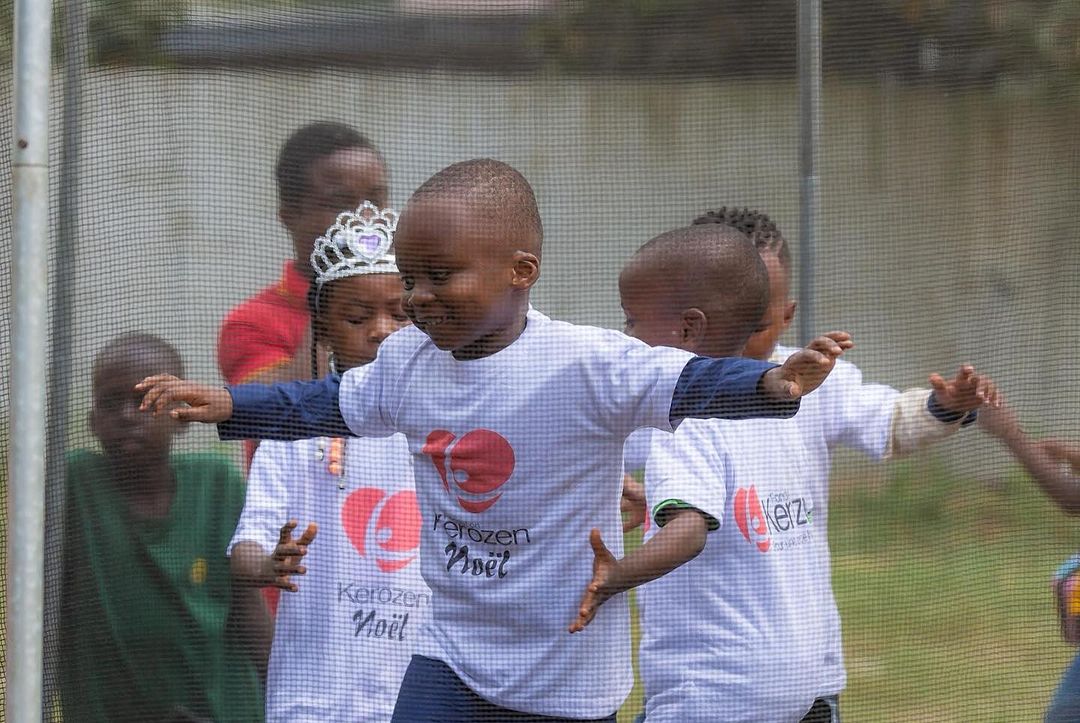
[943, 589]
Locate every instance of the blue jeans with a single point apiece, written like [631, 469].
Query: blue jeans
[824, 710]
[432, 693]
[1065, 705]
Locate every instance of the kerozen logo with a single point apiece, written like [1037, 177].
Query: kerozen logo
[392, 523]
[750, 517]
[472, 468]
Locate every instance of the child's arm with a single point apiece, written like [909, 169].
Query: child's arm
[252, 567]
[633, 503]
[249, 625]
[1062, 452]
[678, 542]
[921, 417]
[292, 410]
[744, 388]
[1043, 460]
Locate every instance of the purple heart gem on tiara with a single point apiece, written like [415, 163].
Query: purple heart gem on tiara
[369, 243]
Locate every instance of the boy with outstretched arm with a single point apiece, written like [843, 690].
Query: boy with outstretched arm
[515, 423]
[737, 633]
[876, 419]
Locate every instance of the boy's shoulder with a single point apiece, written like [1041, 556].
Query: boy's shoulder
[580, 337]
[85, 468]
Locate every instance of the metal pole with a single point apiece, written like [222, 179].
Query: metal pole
[60, 340]
[809, 134]
[30, 183]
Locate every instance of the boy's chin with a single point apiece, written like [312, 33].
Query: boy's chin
[442, 341]
[130, 455]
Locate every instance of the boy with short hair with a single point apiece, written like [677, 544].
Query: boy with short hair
[507, 414]
[872, 418]
[147, 594]
[735, 634]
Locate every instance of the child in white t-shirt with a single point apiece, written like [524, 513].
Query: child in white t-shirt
[515, 424]
[873, 418]
[738, 633]
[343, 639]
[876, 419]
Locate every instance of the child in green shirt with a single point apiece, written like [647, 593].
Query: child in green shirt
[147, 594]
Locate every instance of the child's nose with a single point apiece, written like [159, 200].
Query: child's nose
[383, 327]
[129, 410]
[420, 295]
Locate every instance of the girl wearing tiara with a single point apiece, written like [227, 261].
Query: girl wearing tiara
[343, 639]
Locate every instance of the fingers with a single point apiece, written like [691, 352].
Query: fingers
[153, 387]
[284, 583]
[285, 536]
[597, 542]
[842, 338]
[308, 536]
[587, 611]
[986, 391]
[826, 345]
[966, 374]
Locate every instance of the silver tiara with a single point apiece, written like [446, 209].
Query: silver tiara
[358, 243]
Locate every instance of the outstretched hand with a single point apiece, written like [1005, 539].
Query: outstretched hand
[162, 392]
[288, 554]
[806, 369]
[966, 391]
[596, 592]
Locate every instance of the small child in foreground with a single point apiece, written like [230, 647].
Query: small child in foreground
[515, 423]
[343, 640]
[737, 633]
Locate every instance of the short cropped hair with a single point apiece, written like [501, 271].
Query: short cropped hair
[497, 191]
[122, 348]
[713, 267]
[760, 228]
[305, 146]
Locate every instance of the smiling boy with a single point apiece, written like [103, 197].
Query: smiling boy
[515, 423]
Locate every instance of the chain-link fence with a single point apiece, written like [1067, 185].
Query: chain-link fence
[948, 200]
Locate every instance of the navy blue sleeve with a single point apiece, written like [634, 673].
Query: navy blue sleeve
[725, 388]
[286, 411]
[947, 416]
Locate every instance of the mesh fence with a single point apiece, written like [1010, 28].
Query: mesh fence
[184, 216]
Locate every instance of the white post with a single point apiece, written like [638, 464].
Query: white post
[809, 134]
[29, 336]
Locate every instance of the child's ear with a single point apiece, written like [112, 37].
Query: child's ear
[789, 312]
[526, 269]
[693, 326]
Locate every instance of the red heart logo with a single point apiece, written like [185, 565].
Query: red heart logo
[479, 464]
[391, 524]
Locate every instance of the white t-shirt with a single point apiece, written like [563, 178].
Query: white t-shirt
[738, 633]
[842, 411]
[517, 456]
[343, 641]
